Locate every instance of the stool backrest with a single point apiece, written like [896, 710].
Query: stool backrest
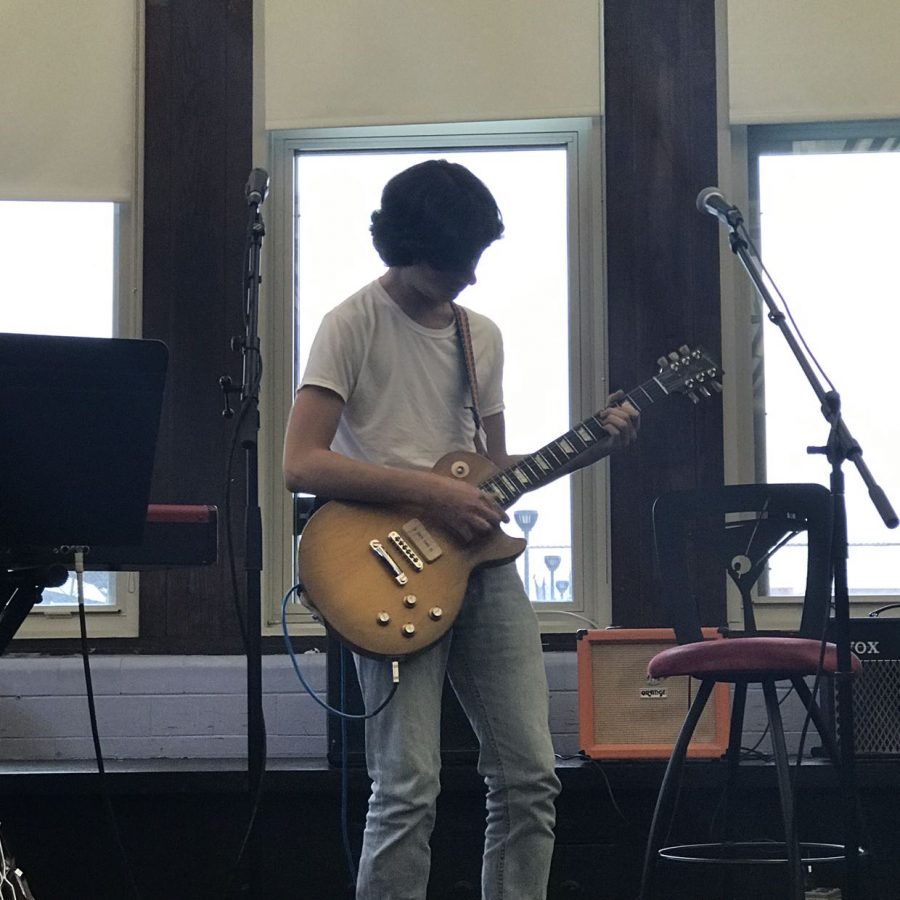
[737, 528]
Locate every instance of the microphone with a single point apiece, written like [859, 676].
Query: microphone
[711, 200]
[257, 187]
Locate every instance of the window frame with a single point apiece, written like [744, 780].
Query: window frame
[587, 330]
[747, 456]
[121, 619]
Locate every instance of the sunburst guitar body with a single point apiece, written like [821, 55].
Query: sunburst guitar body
[390, 581]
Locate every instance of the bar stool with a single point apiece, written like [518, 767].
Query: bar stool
[738, 528]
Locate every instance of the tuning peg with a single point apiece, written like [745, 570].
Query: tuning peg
[704, 391]
[662, 362]
[684, 350]
[694, 397]
[674, 357]
[716, 386]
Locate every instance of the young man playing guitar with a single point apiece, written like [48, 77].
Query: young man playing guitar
[385, 394]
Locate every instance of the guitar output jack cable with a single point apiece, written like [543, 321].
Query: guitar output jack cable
[344, 717]
[395, 669]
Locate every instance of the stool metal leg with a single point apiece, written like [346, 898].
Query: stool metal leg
[818, 719]
[733, 758]
[782, 769]
[669, 785]
[733, 754]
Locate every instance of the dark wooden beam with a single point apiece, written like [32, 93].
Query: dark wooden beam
[198, 149]
[663, 270]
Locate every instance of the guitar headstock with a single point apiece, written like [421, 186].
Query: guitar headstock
[692, 372]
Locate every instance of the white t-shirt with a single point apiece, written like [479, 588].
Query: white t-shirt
[404, 385]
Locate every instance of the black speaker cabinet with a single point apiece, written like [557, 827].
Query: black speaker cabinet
[458, 743]
[876, 690]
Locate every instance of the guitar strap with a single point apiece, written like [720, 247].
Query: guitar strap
[464, 337]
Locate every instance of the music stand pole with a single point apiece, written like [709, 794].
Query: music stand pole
[840, 447]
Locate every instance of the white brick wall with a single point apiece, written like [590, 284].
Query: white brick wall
[151, 707]
[194, 707]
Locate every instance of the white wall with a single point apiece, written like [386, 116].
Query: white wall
[170, 707]
[813, 60]
[346, 62]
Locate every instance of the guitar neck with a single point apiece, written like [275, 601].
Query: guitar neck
[542, 466]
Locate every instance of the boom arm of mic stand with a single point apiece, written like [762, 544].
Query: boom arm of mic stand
[842, 442]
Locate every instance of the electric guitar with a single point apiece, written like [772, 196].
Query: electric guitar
[390, 582]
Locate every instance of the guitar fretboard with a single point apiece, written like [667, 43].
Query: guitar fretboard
[536, 469]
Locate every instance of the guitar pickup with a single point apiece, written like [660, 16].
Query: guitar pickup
[385, 557]
[403, 546]
[424, 542]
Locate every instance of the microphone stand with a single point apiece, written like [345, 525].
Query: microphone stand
[253, 520]
[249, 345]
[840, 446]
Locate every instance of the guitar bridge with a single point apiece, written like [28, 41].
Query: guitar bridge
[403, 546]
[385, 557]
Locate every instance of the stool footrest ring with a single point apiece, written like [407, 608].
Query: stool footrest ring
[750, 853]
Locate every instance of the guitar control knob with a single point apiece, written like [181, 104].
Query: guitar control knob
[435, 613]
[383, 618]
[410, 600]
[409, 630]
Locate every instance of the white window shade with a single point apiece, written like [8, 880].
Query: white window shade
[68, 88]
[361, 62]
[813, 60]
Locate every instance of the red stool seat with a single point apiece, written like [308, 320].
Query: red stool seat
[745, 658]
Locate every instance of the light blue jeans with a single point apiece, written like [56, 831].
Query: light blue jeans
[495, 664]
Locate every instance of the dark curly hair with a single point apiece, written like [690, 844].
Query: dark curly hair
[436, 212]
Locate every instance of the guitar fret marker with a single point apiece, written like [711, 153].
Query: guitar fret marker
[509, 485]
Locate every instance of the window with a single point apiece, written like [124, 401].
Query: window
[64, 282]
[536, 283]
[822, 209]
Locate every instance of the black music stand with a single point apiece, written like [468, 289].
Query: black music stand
[79, 419]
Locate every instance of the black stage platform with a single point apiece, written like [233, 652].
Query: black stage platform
[182, 822]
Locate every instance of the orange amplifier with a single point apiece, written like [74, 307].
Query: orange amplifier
[623, 714]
